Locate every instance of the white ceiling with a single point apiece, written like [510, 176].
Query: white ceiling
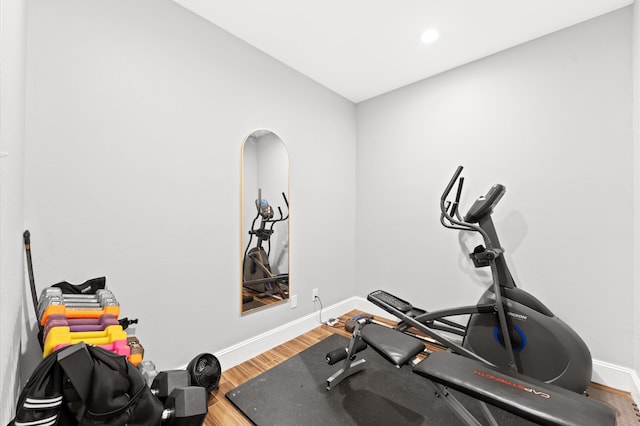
[363, 48]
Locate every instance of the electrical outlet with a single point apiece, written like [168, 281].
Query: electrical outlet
[294, 301]
[315, 294]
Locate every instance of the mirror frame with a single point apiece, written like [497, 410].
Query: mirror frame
[245, 225]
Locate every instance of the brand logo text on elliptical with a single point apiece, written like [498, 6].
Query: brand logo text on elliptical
[517, 316]
[512, 384]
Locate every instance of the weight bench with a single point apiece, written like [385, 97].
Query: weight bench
[395, 347]
[521, 395]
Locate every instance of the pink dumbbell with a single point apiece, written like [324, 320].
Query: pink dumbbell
[120, 347]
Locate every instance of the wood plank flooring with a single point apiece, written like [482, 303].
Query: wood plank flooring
[222, 412]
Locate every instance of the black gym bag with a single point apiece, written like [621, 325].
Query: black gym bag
[117, 393]
[88, 287]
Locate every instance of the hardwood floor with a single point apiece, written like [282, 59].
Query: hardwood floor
[222, 412]
[265, 300]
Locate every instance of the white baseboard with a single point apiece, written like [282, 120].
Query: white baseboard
[245, 350]
[635, 387]
[616, 376]
[607, 374]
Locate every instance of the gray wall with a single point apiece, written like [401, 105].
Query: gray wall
[137, 114]
[551, 120]
[12, 120]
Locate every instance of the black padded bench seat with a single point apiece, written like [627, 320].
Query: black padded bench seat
[522, 395]
[395, 347]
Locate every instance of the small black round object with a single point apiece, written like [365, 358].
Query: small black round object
[205, 371]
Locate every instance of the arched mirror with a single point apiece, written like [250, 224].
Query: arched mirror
[265, 221]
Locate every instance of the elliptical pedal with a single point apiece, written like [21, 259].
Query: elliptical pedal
[381, 297]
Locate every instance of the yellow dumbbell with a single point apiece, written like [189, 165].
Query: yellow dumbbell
[62, 335]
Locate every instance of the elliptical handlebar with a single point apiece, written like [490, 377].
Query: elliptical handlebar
[449, 187]
[286, 202]
[449, 209]
[456, 203]
[268, 218]
[267, 221]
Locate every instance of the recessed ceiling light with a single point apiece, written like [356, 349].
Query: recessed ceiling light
[429, 36]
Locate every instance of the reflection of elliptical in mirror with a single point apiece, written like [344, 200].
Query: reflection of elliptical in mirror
[265, 229]
[258, 275]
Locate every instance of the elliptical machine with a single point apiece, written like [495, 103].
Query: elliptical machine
[257, 275]
[508, 327]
